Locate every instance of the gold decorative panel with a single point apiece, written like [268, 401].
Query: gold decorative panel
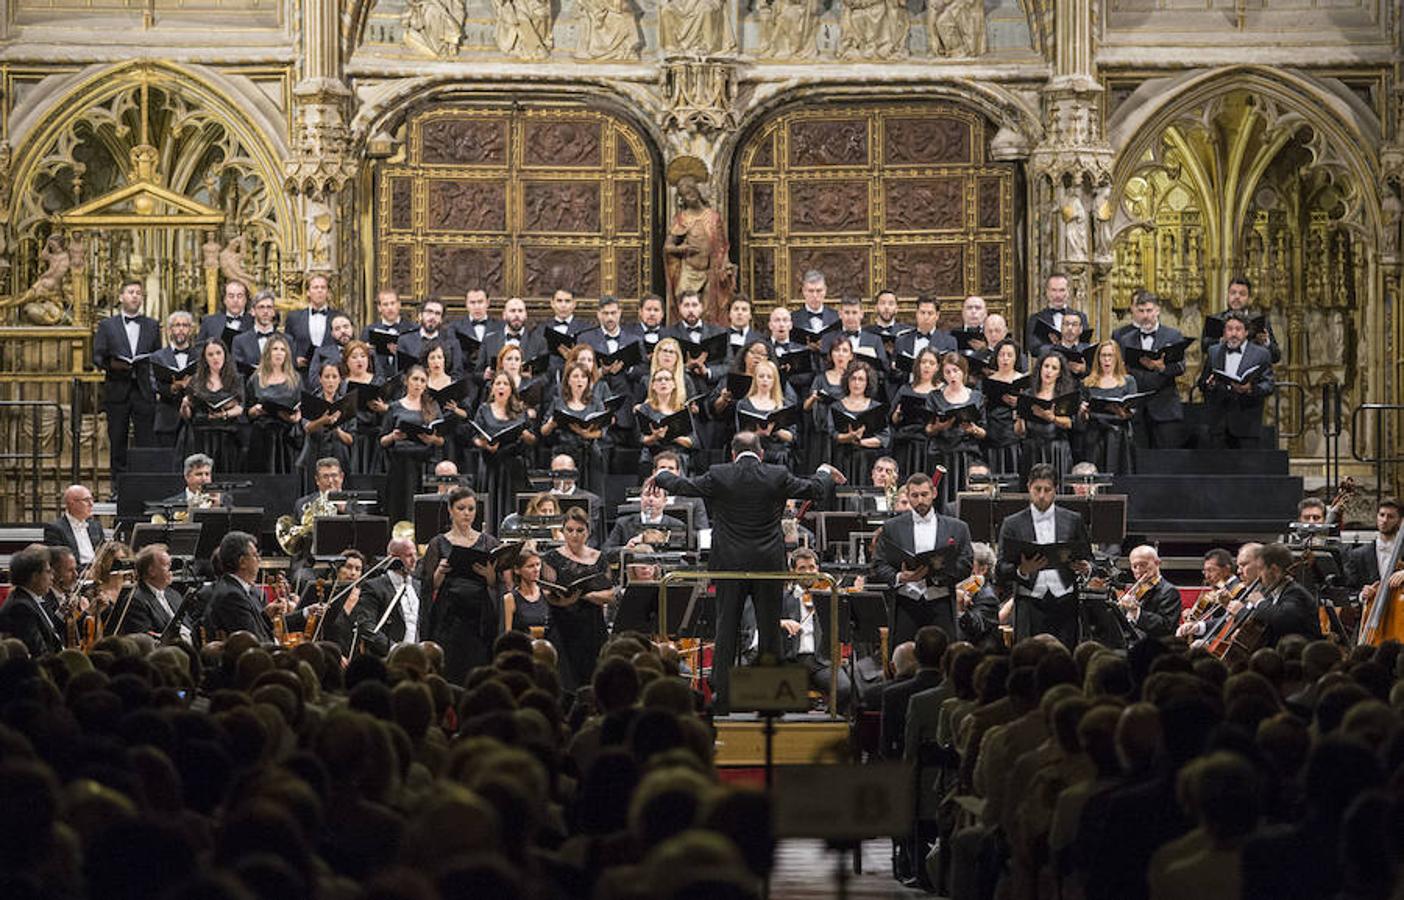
[517, 202]
[894, 195]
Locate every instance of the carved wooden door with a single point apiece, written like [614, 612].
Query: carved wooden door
[892, 195]
[519, 202]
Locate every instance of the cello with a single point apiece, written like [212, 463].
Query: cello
[1382, 615]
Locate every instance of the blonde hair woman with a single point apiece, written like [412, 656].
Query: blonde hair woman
[273, 392]
[1109, 427]
[767, 395]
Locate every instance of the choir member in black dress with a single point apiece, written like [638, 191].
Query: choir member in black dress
[406, 455]
[1046, 435]
[502, 465]
[212, 406]
[668, 355]
[850, 449]
[909, 439]
[524, 607]
[721, 405]
[954, 442]
[825, 389]
[1003, 448]
[434, 358]
[325, 436]
[528, 388]
[584, 445]
[577, 628]
[663, 400]
[1109, 434]
[767, 395]
[272, 391]
[366, 458]
[463, 609]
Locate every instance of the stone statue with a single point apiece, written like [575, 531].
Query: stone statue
[319, 245]
[1391, 210]
[523, 28]
[696, 27]
[609, 29]
[1074, 216]
[435, 26]
[956, 27]
[789, 29]
[874, 29]
[1103, 210]
[696, 252]
[231, 264]
[44, 302]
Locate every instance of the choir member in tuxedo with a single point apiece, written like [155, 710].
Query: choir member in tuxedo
[922, 595]
[804, 641]
[1046, 435]
[213, 408]
[502, 466]
[668, 461]
[462, 616]
[524, 607]
[511, 332]
[927, 333]
[1045, 597]
[952, 442]
[406, 454]
[564, 322]
[128, 397]
[457, 413]
[1003, 448]
[690, 327]
[583, 445]
[1048, 320]
[389, 320]
[866, 346]
[651, 325]
[1108, 435]
[169, 392]
[909, 440]
[748, 500]
[814, 315]
[1364, 563]
[1151, 604]
[366, 458]
[851, 448]
[310, 327]
[977, 604]
[784, 349]
[1239, 300]
[767, 395]
[23, 616]
[272, 392]
[431, 320]
[236, 602]
[825, 389]
[739, 333]
[721, 405]
[1153, 421]
[234, 315]
[340, 331]
[885, 323]
[1286, 607]
[610, 337]
[1071, 345]
[327, 435]
[973, 313]
[1235, 408]
[152, 603]
[248, 347]
[577, 622]
[475, 328]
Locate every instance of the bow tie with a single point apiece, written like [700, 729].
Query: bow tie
[316, 312]
[131, 320]
[477, 322]
[851, 334]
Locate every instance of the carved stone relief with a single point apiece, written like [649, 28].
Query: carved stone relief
[627, 197]
[874, 29]
[561, 143]
[928, 141]
[547, 268]
[763, 207]
[402, 268]
[465, 142]
[435, 27]
[454, 269]
[523, 28]
[989, 202]
[609, 29]
[626, 272]
[845, 269]
[696, 27]
[763, 273]
[561, 206]
[401, 204]
[828, 206]
[829, 142]
[937, 269]
[955, 27]
[991, 269]
[467, 206]
[925, 204]
[788, 28]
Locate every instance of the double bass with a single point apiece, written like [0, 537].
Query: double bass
[1382, 615]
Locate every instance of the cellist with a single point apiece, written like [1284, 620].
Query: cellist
[1365, 568]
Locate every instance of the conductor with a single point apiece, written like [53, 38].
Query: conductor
[747, 497]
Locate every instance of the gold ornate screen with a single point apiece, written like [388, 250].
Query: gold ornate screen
[518, 201]
[894, 195]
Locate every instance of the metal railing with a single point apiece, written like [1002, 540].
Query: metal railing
[33, 455]
[829, 582]
[1298, 391]
[1379, 459]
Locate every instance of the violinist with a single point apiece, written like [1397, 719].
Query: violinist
[804, 641]
[236, 602]
[1365, 563]
[977, 604]
[152, 603]
[65, 566]
[1287, 607]
[1152, 604]
[394, 600]
[23, 615]
[1233, 599]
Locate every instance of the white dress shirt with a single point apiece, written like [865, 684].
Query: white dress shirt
[806, 635]
[1049, 581]
[133, 330]
[409, 604]
[923, 541]
[317, 326]
[1233, 359]
[1383, 551]
[1148, 340]
[82, 539]
[1057, 320]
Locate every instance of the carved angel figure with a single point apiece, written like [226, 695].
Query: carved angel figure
[956, 27]
[44, 301]
[435, 26]
[789, 29]
[231, 263]
[523, 28]
[696, 27]
[609, 30]
[874, 29]
[1074, 215]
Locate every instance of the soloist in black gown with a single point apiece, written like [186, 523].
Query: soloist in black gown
[577, 632]
[464, 617]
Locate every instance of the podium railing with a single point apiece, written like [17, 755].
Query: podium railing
[828, 582]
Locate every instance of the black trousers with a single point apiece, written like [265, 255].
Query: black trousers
[731, 598]
[1047, 615]
[135, 413]
[910, 614]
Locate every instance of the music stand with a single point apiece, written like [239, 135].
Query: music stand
[831, 527]
[430, 516]
[181, 539]
[220, 520]
[334, 535]
[638, 607]
[563, 503]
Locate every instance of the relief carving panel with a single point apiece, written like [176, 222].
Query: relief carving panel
[454, 269]
[925, 141]
[401, 269]
[626, 207]
[464, 142]
[561, 206]
[991, 269]
[561, 143]
[988, 203]
[401, 204]
[824, 206]
[763, 273]
[547, 268]
[926, 204]
[467, 206]
[845, 269]
[624, 153]
[763, 207]
[935, 269]
[626, 272]
[829, 142]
